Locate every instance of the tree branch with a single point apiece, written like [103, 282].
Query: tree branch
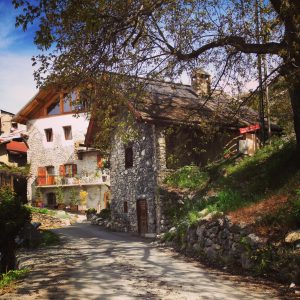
[238, 43]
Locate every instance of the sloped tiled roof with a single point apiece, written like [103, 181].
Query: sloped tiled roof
[169, 102]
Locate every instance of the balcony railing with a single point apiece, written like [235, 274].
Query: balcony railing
[55, 180]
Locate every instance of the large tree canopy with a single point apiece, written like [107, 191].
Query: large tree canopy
[83, 39]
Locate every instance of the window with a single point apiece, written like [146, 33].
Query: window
[125, 207]
[50, 170]
[14, 125]
[68, 101]
[54, 108]
[128, 157]
[68, 132]
[49, 135]
[70, 170]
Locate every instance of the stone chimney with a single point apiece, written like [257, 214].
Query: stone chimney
[200, 81]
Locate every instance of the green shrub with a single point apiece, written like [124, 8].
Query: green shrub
[13, 216]
[188, 177]
[104, 213]
[13, 275]
[91, 211]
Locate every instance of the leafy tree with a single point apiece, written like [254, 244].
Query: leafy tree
[13, 216]
[165, 38]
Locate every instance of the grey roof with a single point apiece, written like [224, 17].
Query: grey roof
[173, 102]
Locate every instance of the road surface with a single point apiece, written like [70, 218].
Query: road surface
[95, 264]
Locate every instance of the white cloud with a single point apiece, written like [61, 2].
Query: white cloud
[17, 85]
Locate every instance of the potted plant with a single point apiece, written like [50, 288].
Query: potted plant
[38, 198]
[74, 200]
[83, 195]
[60, 198]
[90, 212]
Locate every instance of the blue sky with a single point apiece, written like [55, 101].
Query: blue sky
[17, 84]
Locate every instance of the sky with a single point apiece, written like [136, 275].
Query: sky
[17, 84]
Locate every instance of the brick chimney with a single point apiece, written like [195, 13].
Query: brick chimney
[200, 81]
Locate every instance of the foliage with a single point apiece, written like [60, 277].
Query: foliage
[38, 194]
[104, 213]
[44, 211]
[74, 197]
[83, 197]
[11, 276]
[13, 216]
[91, 211]
[59, 193]
[49, 238]
[188, 177]
[238, 182]
[158, 39]
[20, 171]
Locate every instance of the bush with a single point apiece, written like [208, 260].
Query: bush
[104, 213]
[11, 276]
[13, 216]
[188, 177]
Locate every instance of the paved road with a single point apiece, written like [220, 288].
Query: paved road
[95, 264]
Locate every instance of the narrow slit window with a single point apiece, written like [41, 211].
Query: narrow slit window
[128, 157]
[125, 207]
[49, 134]
[68, 132]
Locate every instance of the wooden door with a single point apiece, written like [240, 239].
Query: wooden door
[142, 216]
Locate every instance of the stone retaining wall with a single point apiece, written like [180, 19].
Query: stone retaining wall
[215, 239]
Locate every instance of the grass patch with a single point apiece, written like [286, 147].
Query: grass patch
[49, 238]
[10, 277]
[229, 185]
[43, 211]
[188, 177]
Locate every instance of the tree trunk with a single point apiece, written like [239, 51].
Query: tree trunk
[8, 256]
[294, 92]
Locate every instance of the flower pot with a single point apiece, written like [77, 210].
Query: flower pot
[61, 206]
[73, 207]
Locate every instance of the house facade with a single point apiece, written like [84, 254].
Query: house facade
[171, 127]
[13, 154]
[59, 162]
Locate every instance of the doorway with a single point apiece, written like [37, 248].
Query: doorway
[142, 216]
[51, 200]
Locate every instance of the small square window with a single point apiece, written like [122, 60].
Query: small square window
[125, 207]
[128, 157]
[68, 132]
[49, 135]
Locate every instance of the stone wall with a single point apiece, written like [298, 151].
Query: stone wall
[215, 239]
[137, 182]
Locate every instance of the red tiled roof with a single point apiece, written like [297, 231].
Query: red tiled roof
[17, 147]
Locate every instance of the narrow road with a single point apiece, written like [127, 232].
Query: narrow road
[94, 264]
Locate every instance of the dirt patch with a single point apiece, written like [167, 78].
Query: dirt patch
[49, 222]
[249, 214]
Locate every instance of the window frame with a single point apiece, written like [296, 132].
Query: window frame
[49, 138]
[68, 138]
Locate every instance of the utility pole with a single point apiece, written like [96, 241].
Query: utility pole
[260, 80]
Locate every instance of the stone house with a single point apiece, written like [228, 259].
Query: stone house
[138, 167]
[56, 129]
[13, 154]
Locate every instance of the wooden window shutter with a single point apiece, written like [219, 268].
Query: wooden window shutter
[62, 170]
[41, 175]
[99, 161]
[74, 169]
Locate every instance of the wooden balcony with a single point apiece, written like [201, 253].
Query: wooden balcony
[55, 180]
